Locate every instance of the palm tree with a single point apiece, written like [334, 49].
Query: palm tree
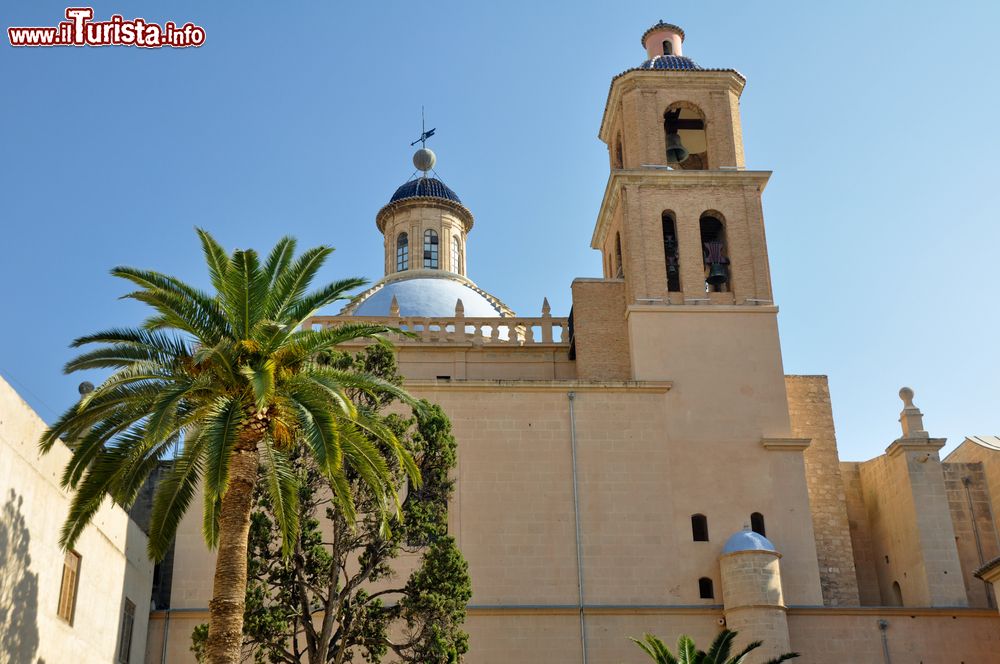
[718, 653]
[232, 377]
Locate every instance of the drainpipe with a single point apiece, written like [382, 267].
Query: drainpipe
[166, 635]
[883, 626]
[967, 482]
[576, 514]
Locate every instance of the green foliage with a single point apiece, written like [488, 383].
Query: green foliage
[336, 562]
[718, 653]
[223, 371]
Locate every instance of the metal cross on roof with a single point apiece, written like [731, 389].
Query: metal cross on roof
[424, 132]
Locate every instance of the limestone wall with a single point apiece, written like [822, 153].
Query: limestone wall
[975, 531]
[812, 417]
[836, 636]
[113, 564]
[912, 532]
[600, 332]
[861, 536]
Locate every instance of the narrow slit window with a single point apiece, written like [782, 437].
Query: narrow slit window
[431, 249]
[456, 254]
[757, 523]
[70, 581]
[619, 268]
[699, 527]
[402, 252]
[705, 588]
[125, 637]
[670, 253]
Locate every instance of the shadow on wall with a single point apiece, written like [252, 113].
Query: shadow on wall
[18, 586]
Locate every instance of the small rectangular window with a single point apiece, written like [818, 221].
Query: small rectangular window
[125, 637]
[67, 591]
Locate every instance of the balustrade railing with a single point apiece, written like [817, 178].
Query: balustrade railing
[514, 331]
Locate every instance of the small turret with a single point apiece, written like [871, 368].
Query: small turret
[752, 598]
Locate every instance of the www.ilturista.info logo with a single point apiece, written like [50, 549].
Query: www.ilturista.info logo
[81, 30]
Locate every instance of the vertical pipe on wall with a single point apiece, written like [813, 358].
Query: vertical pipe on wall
[576, 514]
[967, 482]
[883, 626]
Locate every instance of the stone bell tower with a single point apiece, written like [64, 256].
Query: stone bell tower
[686, 299]
[681, 230]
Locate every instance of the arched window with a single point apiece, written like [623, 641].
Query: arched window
[456, 254]
[619, 268]
[668, 47]
[699, 527]
[705, 589]
[897, 594]
[619, 157]
[757, 523]
[686, 140]
[402, 252]
[431, 249]
[670, 253]
[715, 252]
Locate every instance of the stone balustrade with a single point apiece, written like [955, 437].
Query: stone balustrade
[513, 331]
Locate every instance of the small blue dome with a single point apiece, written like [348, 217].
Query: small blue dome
[679, 62]
[747, 540]
[424, 186]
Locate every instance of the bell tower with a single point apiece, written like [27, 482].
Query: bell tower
[681, 234]
[681, 220]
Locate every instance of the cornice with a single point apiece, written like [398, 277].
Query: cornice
[453, 385]
[785, 444]
[464, 213]
[667, 179]
[902, 445]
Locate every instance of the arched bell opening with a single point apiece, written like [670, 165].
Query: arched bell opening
[687, 142]
[671, 255]
[715, 253]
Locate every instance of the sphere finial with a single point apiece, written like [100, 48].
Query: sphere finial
[424, 159]
[906, 394]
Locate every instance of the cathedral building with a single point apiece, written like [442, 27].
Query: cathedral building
[644, 464]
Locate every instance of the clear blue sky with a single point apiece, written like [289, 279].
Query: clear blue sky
[879, 121]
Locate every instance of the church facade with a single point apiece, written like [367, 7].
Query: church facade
[644, 464]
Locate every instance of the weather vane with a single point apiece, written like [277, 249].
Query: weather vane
[424, 132]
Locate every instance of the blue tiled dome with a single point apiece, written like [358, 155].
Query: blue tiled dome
[424, 186]
[679, 62]
[747, 540]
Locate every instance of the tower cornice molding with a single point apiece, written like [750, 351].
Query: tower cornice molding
[633, 79]
[666, 179]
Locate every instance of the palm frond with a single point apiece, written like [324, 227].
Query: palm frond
[282, 487]
[173, 495]
[216, 258]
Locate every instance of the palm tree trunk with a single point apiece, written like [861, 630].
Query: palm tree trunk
[225, 623]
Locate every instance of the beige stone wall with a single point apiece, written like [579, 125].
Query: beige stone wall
[113, 564]
[836, 636]
[600, 332]
[975, 531]
[861, 535]
[971, 452]
[912, 532]
[812, 417]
